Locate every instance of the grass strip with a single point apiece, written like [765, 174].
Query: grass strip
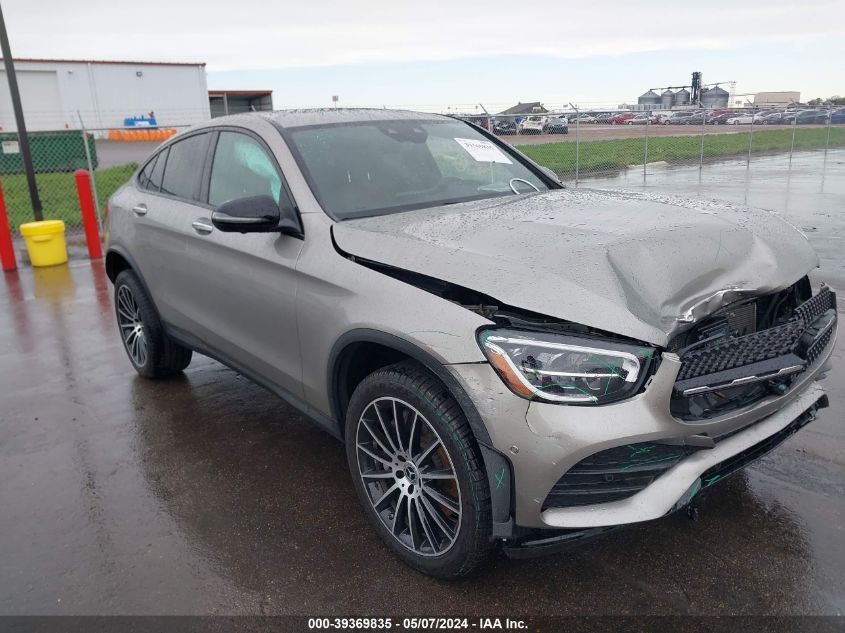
[58, 194]
[619, 153]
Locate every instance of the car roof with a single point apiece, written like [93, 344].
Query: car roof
[328, 116]
[322, 116]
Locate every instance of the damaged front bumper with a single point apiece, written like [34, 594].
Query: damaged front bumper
[543, 442]
[531, 543]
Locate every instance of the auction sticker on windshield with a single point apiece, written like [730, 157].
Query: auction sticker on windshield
[483, 151]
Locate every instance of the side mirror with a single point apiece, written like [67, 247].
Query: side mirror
[255, 214]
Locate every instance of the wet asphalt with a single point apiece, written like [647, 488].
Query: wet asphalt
[207, 495]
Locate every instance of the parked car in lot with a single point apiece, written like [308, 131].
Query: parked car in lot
[740, 119]
[696, 118]
[642, 119]
[622, 117]
[408, 282]
[504, 126]
[480, 121]
[585, 119]
[838, 116]
[719, 118]
[806, 117]
[556, 125]
[532, 125]
[770, 118]
[603, 117]
[676, 118]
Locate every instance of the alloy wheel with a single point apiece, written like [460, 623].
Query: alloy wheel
[131, 326]
[408, 476]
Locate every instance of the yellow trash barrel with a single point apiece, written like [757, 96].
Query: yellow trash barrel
[45, 242]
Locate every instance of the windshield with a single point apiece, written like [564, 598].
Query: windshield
[379, 167]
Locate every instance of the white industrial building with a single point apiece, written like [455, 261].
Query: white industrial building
[55, 93]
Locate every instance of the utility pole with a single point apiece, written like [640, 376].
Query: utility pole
[23, 139]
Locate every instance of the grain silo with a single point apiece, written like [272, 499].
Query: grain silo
[666, 99]
[715, 97]
[649, 98]
[681, 98]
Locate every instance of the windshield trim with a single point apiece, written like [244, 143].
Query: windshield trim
[286, 134]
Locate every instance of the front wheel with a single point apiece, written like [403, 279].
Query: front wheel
[418, 471]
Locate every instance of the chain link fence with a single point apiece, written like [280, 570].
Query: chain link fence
[578, 145]
[109, 155]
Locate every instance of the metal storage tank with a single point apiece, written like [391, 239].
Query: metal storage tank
[666, 99]
[649, 98]
[715, 98]
[682, 97]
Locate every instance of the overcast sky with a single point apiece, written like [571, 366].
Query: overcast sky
[375, 52]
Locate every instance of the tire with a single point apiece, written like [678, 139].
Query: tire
[152, 353]
[404, 403]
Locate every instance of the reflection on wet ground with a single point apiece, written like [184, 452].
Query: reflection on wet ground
[206, 494]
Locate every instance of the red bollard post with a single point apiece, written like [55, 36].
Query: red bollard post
[89, 216]
[7, 249]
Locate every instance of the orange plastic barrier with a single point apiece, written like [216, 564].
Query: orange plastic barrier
[161, 134]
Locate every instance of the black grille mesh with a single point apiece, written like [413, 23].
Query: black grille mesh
[815, 306]
[763, 345]
[818, 346]
[614, 474]
[744, 350]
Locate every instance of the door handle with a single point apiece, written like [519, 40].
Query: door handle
[203, 226]
[140, 209]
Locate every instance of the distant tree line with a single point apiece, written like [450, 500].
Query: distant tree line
[834, 100]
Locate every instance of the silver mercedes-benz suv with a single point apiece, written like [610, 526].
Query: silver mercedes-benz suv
[509, 362]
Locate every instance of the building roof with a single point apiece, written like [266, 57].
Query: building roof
[525, 108]
[255, 93]
[103, 61]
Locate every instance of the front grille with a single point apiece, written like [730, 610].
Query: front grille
[613, 474]
[743, 350]
[722, 372]
[816, 305]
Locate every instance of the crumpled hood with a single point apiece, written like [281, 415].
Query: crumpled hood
[641, 265]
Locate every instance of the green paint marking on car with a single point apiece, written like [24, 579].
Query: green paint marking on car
[656, 460]
[712, 479]
[637, 450]
[500, 478]
[696, 487]
[432, 332]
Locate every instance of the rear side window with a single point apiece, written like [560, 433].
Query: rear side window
[158, 171]
[242, 168]
[184, 167]
[146, 173]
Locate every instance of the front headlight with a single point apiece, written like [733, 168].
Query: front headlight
[566, 369]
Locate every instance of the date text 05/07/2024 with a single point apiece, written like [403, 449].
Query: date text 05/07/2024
[417, 624]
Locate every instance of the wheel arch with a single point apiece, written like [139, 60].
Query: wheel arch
[359, 352]
[118, 260]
